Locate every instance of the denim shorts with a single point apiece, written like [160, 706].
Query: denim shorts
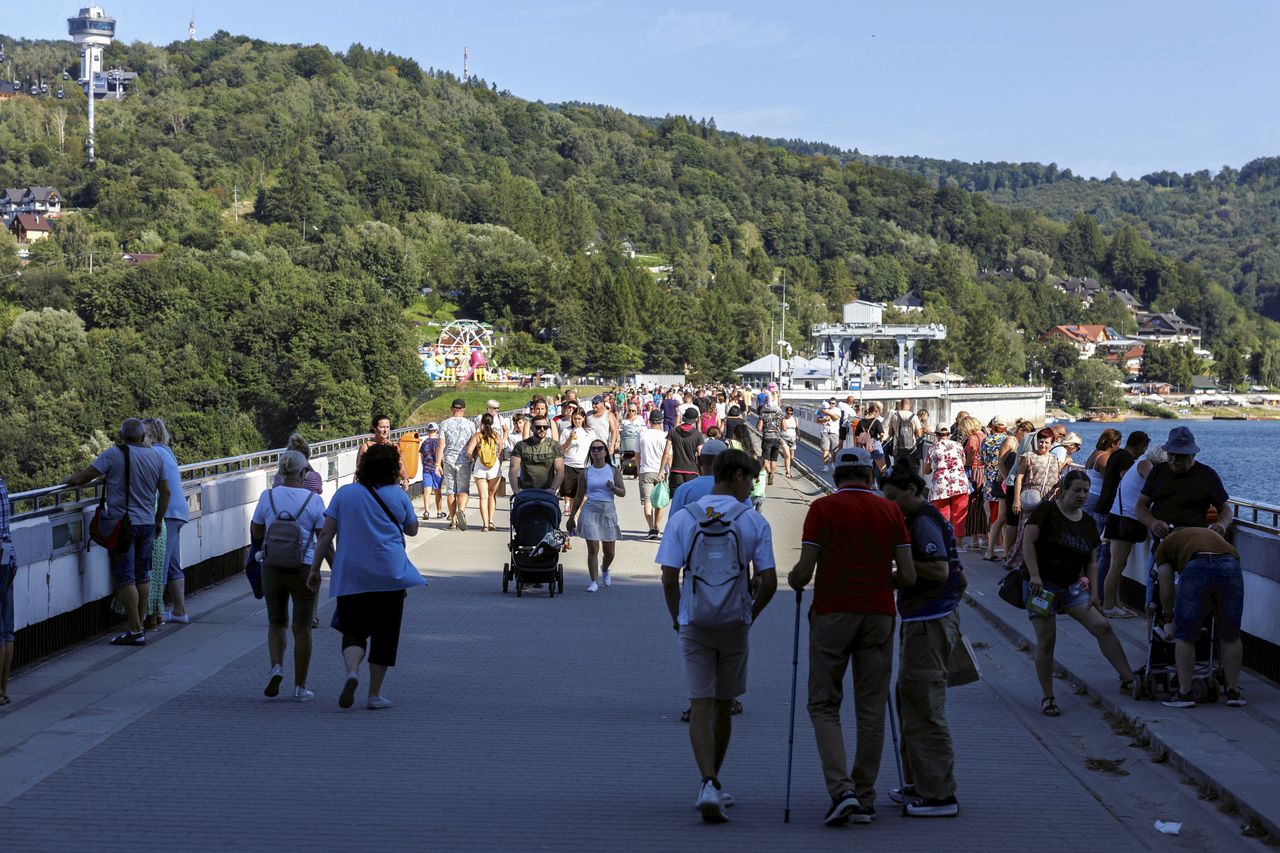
[134, 565]
[173, 550]
[1065, 597]
[8, 577]
[1203, 575]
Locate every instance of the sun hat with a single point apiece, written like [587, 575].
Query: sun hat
[1072, 438]
[1181, 441]
[714, 447]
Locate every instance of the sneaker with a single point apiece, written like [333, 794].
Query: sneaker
[902, 795]
[273, 682]
[769, 480]
[377, 703]
[1179, 700]
[726, 799]
[302, 694]
[842, 809]
[607, 578]
[348, 695]
[462, 521]
[593, 587]
[946, 807]
[1235, 699]
[170, 616]
[710, 804]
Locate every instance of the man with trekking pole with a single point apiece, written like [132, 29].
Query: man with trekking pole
[716, 541]
[852, 539]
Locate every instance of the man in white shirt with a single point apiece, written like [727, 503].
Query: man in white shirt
[829, 419]
[650, 448]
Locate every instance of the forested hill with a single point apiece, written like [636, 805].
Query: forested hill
[1228, 223]
[362, 178]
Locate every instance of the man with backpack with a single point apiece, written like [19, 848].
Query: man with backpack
[851, 539]
[904, 429]
[716, 541]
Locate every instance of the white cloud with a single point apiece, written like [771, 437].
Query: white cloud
[679, 32]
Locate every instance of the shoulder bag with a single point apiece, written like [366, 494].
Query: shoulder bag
[118, 539]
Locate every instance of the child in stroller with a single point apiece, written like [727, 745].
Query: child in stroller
[535, 543]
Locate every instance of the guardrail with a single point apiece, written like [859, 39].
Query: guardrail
[52, 500]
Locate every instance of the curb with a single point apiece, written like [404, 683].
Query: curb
[1160, 749]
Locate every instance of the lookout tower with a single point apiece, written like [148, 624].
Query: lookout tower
[92, 30]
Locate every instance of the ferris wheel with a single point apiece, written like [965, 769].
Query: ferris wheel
[460, 338]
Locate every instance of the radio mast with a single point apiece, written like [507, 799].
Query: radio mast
[466, 72]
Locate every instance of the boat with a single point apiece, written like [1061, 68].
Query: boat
[1103, 416]
[1230, 416]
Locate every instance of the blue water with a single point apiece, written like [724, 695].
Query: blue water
[1237, 450]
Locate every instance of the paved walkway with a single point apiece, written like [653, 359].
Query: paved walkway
[520, 724]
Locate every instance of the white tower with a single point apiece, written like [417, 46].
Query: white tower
[466, 71]
[191, 27]
[93, 31]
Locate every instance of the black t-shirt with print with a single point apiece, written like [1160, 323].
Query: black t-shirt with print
[1064, 546]
[1183, 499]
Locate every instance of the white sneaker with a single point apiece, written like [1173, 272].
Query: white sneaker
[710, 804]
[273, 682]
[377, 703]
[302, 694]
[593, 587]
[607, 578]
[170, 616]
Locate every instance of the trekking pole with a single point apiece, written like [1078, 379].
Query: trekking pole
[791, 736]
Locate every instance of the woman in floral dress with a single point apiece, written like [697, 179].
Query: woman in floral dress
[949, 487]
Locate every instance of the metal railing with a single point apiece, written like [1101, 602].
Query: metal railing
[1256, 515]
[53, 500]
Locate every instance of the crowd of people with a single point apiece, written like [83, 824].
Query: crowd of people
[882, 551]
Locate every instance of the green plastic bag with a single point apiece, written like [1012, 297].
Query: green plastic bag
[660, 497]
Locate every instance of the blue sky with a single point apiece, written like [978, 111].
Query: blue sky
[1132, 86]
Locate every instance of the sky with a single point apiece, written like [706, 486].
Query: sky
[1131, 87]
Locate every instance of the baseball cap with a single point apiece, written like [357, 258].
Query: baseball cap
[691, 414]
[655, 417]
[854, 456]
[433, 427]
[459, 403]
[714, 447]
[597, 399]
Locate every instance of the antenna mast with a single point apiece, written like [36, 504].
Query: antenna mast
[466, 72]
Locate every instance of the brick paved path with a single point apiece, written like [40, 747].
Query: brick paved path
[520, 724]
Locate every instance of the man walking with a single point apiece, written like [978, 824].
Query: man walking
[453, 464]
[604, 424]
[652, 444]
[715, 645]
[903, 430]
[851, 539]
[680, 456]
[829, 419]
[537, 462]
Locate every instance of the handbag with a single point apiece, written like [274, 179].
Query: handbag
[118, 539]
[1010, 589]
[253, 572]
[660, 496]
[962, 666]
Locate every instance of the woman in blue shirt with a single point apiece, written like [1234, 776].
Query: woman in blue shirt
[371, 570]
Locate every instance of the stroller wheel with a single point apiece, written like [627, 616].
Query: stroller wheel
[519, 590]
[506, 576]
[1138, 688]
[1200, 690]
[560, 577]
[1213, 691]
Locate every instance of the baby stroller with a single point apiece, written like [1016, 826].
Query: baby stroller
[1159, 674]
[629, 460]
[535, 543]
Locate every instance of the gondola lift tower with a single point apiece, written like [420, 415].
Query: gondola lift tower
[92, 30]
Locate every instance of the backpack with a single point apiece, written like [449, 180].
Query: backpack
[715, 572]
[771, 425]
[283, 545]
[486, 452]
[904, 433]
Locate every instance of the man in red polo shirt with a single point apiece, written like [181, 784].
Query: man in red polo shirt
[852, 538]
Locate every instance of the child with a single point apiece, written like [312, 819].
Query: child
[430, 476]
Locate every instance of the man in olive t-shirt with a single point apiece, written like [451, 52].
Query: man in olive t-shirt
[537, 462]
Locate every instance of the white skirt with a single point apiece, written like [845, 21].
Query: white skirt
[598, 521]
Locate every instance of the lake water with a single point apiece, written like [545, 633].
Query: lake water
[1237, 450]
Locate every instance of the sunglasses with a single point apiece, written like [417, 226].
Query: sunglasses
[597, 449]
[541, 426]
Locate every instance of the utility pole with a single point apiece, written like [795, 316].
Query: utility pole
[235, 196]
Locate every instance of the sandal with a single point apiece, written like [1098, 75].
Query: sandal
[1049, 708]
[491, 526]
[440, 515]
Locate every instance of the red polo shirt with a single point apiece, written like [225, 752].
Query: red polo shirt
[857, 532]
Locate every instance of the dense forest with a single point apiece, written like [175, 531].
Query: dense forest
[302, 202]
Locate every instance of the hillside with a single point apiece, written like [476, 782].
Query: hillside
[363, 179]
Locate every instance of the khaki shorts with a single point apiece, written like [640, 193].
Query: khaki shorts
[647, 482]
[455, 479]
[715, 661]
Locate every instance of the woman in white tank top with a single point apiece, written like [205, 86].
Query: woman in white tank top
[597, 516]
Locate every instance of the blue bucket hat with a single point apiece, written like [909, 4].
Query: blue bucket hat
[1181, 441]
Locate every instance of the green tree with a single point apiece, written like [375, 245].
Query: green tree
[1092, 384]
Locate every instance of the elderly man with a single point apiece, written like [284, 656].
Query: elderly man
[1181, 491]
[136, 489]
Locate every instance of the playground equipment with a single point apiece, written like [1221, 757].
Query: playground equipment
[461, 352]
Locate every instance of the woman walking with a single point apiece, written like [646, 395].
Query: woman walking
[1035, 481]
[284, 570]
[998, 444]
[1058, 550]
[485, 448]
[741, 440]
[1123, 529]
[978, 524]
[949, 486]
[576, 444]
[597, 515]
[790, 435]
[371, 570]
